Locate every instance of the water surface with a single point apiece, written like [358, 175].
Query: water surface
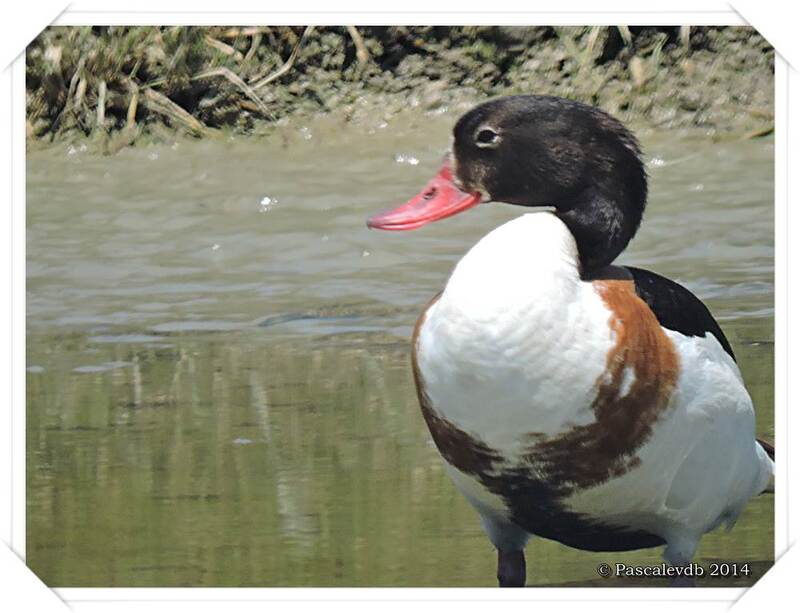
[219, 391]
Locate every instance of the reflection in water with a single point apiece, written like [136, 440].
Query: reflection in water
[245, 415]
[337, 484]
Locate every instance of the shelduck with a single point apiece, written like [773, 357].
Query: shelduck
[596, 405]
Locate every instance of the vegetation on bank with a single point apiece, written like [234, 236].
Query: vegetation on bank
[115, 83]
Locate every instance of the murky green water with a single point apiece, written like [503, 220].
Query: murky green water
[219, 391]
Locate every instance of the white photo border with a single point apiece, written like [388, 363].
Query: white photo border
[167, 13]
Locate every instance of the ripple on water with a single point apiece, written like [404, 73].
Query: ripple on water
[125, 338]
[197, 326]
[104, 367]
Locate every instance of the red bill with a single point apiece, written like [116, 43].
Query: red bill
[439, 199]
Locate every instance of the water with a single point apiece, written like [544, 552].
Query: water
[219, 391]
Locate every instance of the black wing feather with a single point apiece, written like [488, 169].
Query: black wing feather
[676, 308]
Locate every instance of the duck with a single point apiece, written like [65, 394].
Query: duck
[572, 399]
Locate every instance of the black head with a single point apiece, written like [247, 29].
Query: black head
[548, 151]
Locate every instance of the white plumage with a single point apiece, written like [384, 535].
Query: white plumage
[515, 345]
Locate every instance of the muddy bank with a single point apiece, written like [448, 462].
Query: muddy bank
[119, 85]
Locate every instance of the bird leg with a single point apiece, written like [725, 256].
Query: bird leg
[682, 581]
[511, 568]
[681, 557]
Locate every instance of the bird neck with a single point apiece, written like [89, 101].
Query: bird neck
[602, 224]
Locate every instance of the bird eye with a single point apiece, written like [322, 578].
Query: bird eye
[486, 137]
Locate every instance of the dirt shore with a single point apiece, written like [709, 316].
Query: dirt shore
[120, 85]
